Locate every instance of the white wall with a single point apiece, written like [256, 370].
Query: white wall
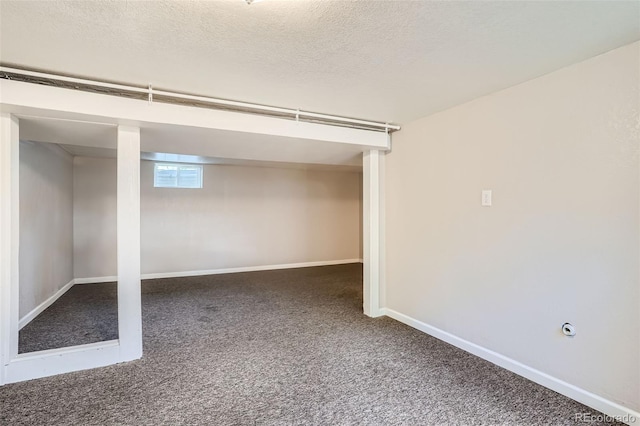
[46, 223]
[94, 217]
[561, 240]
[244, 216]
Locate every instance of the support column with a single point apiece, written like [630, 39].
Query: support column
[9, 240]
[128, 217]
[372, 233]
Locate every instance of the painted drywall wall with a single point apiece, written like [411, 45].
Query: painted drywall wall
[560, 242]
[46, 223]
[94, 217]
[242, 217]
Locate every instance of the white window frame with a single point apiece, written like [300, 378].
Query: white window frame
[178, 166]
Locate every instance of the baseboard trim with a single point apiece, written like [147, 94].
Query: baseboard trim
[610, 408]
[44, 305]
[179, 274]
[248, 269]
[95, 280]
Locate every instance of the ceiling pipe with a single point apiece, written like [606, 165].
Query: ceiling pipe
[149, 93]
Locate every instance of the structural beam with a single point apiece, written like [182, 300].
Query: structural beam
[15, 367]
[128, 246]
[52, 102]
[9, 240]
[373, 259]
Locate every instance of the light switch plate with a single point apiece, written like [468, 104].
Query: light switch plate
[486, 198]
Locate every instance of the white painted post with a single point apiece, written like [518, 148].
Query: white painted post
[9, 240]
[128, 246]
[372, 231]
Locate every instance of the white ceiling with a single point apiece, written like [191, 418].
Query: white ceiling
[380, 60]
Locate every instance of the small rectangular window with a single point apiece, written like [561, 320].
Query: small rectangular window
[177, 175]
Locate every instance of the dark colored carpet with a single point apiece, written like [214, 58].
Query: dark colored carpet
[288, 347]
[87, 313]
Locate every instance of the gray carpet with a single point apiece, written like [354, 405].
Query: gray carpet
[288, 347]
[87, 313]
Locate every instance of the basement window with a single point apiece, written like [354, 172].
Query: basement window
[177, 175]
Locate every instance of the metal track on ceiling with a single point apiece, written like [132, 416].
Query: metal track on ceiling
[154, 95]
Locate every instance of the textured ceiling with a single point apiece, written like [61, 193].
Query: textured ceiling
[383, 60]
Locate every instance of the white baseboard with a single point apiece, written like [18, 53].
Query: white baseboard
[221, 271]
[610, 408]
[95, 280]
[44, 305]
[248, 269]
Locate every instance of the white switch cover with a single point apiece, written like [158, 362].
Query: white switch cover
[486, 198]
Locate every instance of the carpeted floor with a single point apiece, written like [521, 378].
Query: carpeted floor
[87, 313]
[288, 347]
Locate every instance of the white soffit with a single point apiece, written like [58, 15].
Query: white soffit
[378, 60]
[84, 151]
[202, 145]
[72, 132]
